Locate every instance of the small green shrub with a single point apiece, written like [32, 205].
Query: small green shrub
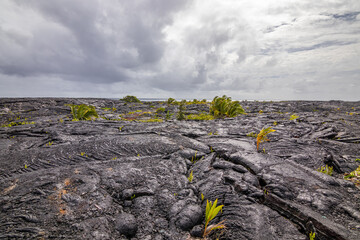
[222, 107]
[83, 112]
[326, 169]
[168, 115]
[181, 114]
[130, 99]
[170, 101]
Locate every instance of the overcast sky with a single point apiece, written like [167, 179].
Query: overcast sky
[247, 49]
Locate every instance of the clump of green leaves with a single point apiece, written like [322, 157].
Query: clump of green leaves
[261, 137]
[312, 236]
[326, 169]
[222, 107]
[293, 117]
[83, 112]
[181, 114]
[211, 211]
[130, 99]
[354, 176]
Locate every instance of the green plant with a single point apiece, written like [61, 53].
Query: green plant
[211, 211]
[293, 117]
[49, 143]
[222, 107]
[354, 176]
[83, 112]
[202, 197]
[181, 114]
[130, 99]
[261, 137]
[120, 128]
[160, 110]
[11, 124]
[171, 101]
[132, 197]
[312, 236]
[168, 115]
[326, 169]
[252, 134]
[357, 160]
[191, 176]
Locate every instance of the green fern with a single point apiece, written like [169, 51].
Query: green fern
[83, 112]
[222, 107]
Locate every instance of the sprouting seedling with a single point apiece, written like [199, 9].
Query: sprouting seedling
[202, 197]
[191, 176]
[261, 137]
[326, 169]
[82, 153]
[120, 128]
[312, 236]
[132, 197]
[193, 159]
[211, 211]
[49, 143]
[26, 166]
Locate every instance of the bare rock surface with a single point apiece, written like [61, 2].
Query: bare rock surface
[116, 179]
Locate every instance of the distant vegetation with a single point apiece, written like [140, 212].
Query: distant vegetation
[130, 99]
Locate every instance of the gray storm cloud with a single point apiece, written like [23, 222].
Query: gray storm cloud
[247, 49]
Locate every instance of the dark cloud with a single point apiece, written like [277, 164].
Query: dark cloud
[351, 16]
[320, 45]
[94, 41]
[252, 49]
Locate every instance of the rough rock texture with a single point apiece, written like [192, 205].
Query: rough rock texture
[116, 179]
